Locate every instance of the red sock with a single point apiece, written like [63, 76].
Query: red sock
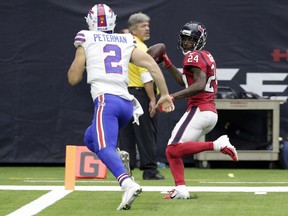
[176, 166]
[175, 152]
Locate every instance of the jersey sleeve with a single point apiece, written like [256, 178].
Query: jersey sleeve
[79, 39]
[146, 77]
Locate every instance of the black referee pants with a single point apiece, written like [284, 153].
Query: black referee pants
[143, 135]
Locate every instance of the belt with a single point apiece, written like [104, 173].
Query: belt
[136, 88]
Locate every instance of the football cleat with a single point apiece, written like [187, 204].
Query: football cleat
[124, 156]
[176, 194]
[129, 196]
[226, 148]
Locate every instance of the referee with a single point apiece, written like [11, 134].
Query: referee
[141, 85]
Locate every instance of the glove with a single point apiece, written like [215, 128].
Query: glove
[167, 62]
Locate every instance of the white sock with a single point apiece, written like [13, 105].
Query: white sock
[181, 187]
[216, 146]
[127, 182]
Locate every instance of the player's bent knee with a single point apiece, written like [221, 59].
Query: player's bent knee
[171, 151]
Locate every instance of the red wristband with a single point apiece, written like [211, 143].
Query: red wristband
[167, 61]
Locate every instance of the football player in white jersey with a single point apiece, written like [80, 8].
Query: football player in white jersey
[105, 56]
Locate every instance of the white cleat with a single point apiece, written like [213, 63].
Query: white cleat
[180, 192]
[130, 194]
[225, 147]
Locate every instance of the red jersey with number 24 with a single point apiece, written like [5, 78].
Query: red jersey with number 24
[205, 61]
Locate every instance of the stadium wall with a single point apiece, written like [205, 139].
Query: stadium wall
[40, 113]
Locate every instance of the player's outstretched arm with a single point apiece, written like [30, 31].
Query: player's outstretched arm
[76, 70]
[142, 59]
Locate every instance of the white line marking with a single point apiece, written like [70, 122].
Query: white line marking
[203, 182]
[239, 189]
[77, 181]
[41, 203]
[104, 181]
[23, 187]
[260, 193]
[153, 188]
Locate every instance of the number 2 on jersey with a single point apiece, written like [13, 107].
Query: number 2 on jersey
[112, 59]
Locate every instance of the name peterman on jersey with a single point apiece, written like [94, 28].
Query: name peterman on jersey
[110, 38]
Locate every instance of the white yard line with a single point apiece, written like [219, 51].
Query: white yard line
[152, 188]
[243, 182]
[41, 203]
[191, 189]
[23, 187]
[105, 181]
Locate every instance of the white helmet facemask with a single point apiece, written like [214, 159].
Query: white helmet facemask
[101, 18]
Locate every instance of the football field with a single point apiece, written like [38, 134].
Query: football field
[40, 191]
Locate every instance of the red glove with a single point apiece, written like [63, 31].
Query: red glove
[167, 61]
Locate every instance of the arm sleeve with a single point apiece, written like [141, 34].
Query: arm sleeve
[146, 77]
[79, 39]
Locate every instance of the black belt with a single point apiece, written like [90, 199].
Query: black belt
[136, 88]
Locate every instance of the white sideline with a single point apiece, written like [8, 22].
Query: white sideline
[58, 192]
[41, 203]
[152, 188]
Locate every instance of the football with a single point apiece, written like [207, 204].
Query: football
[157, 51]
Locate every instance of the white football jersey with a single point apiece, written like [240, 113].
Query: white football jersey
[107, 58]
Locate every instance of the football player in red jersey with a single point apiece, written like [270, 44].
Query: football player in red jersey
[199, 80]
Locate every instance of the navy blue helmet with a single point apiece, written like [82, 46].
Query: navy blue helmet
[196, 31]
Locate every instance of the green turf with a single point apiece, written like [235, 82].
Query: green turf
[12, 200]
[150, 203]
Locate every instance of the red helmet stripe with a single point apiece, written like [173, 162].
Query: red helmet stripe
[101, 16]
[200, 28]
